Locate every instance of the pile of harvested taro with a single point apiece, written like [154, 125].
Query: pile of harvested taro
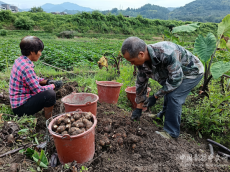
[73, 123]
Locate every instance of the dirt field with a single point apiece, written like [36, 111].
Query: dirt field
[123, 145]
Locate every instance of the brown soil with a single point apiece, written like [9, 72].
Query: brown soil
[124, 145]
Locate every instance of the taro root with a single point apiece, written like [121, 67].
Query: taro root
[87, 123]
[102, 143]
[67, 121]
[73, 123]
[78, 124]
[120, 141]
[124, 135]
[68, 126]
[60, 120]
[107, 128]
[54, 127]
[68, 115]
[72, 119]
[60, 129]
[10, 138]
[134, 146]
[62, 124]
[77, 131]
[89, 116]
[77, 116]
[64, 132]
[72, 129]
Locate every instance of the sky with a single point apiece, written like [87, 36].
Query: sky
[100, 4]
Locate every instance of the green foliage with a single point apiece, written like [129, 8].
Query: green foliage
[205, 46]
[224, 27]
[49, 28]
[3, 32]
[126, 77]
[41, 159]
[186, 28]
[83, 169]
[28, 152]
[219, 68]
[66, 34]
[5, 109]
[24, 23]
[210, 116]
[36, 10]
[147, 11]
[6, 16]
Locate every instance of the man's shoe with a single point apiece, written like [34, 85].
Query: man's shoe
[155, 116]
[164, 134]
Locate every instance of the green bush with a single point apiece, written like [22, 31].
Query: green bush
[1, 26]
[49, 28]
[66, 34]
[3, 32]
[24, 23]
[6, 16]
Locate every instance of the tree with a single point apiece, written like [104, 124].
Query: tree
[114, 10]
[36, 10]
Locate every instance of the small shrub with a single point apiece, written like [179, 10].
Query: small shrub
[49, 28]
[24, 23]
[66, 34]
[3, 32]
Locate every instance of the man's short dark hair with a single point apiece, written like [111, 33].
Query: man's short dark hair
[133, 45]
[31, 44]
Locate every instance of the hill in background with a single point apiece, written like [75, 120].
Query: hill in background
[198, 10]
[202, 10]
[64, 6]
[147, 11]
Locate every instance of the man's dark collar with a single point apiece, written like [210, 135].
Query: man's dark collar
[152, 55]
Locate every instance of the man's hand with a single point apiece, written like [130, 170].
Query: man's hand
[57, 84]
[151, 101]
[136, 114]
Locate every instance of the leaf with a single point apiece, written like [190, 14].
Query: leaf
[23, 131]
[219, 68]
[222, 44]
[22, 151]
[186, 28]
[29, 152]
[41, 160]
[204, 47]
[36, 140]
[224, 27]
[35, 156]
[200, 135]
[44, 161]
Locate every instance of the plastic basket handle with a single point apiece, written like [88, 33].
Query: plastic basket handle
[78, 110]
[88, 103]
[66, 137]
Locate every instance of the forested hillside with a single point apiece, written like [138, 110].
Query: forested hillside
[147, 11]
[202, 10]
[95, 22]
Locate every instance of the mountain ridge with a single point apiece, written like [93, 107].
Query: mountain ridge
[48, 7]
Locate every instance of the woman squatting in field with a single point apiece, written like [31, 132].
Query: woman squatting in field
[28, 93]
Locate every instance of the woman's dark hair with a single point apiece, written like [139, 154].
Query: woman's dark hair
[31, 44]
